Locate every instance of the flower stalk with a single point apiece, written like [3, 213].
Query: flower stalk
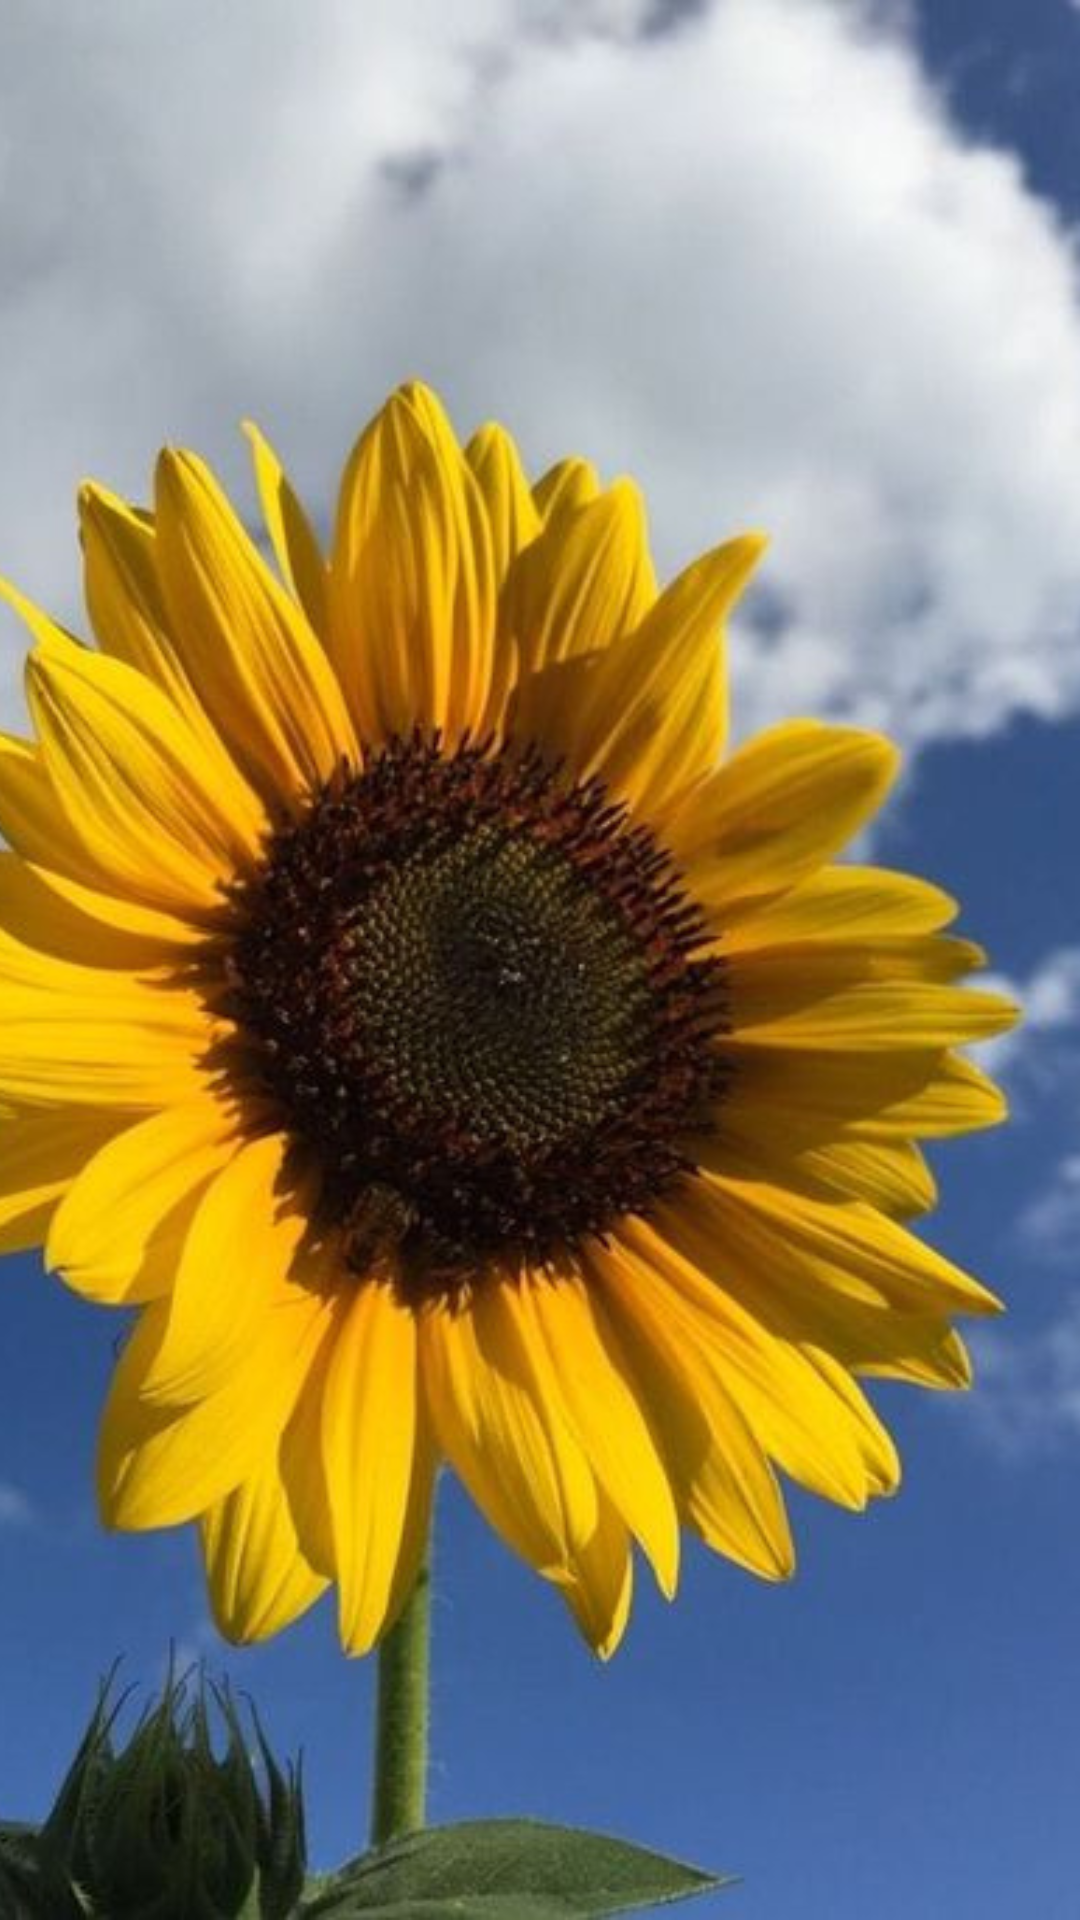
[399, 1795]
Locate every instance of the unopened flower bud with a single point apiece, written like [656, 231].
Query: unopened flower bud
[167, 1827]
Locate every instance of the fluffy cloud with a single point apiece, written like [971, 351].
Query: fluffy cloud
[1044, 1048]
[1051, 1224]
[738, 249]
[15, 1508]
[1028, 1398]
[1039, 1063]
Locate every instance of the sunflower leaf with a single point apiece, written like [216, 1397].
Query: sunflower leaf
[505, 1870]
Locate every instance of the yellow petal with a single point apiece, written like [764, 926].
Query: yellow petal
[805, 1097]
[808, 1428]
[779, 808]
[131, 620]
[292, 535]
[579, 1370]
[255, 663]
[159, 1466]
[113, 1235]
[727, 1491]
[134, 782]
[565, 487]
[258, 1576]
[880, 1458]
[511, 510]
[957, 1099]
[40, 1155]
[654, 716]
[33, 821]
[937, 1359]
[61, 917]
[123, 593]
[755, 1235]
[412, 591]
[370, 1425]
[839, 904]
[514, 523]
[75, 1061]
[157, 695]
[78, 1036]
[511, 1447]
[601, 1589]
[300, 1456]
[883, 1016]
[238, 1254]
[770, 986]
[57, 980]
[584, 583]
[889, 1173]
[416, 1532]
[148, 936]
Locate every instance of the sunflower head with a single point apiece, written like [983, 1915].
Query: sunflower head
[481, 995]
[452, 1050]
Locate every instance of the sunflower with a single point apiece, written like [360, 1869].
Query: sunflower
[449, 1053]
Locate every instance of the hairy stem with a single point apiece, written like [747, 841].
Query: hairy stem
[399, 1798]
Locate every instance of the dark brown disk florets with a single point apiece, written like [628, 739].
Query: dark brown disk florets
[479, 994]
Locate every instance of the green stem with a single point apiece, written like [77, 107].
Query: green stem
[399, 1797]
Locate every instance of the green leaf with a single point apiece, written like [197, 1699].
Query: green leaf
[505, 1870]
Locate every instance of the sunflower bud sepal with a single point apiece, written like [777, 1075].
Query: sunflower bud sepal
[33, 1886]
[191, 1818]
[504, 1870]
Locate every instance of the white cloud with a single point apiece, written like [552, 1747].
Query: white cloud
[1051, 1224]
[1028, 1387]
[197, 1648]
[1053, 993]
[1027, 1398]
[1045, 1047]
[750, 260]
[15, 1508]
[1027, 1401]
[1039, 1064]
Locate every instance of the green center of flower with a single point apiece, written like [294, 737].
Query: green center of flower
[496, 991]
[478, 993]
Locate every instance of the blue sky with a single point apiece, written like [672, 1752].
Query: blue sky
[795, 263]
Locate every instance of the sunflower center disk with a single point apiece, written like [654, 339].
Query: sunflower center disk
[478, 993]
